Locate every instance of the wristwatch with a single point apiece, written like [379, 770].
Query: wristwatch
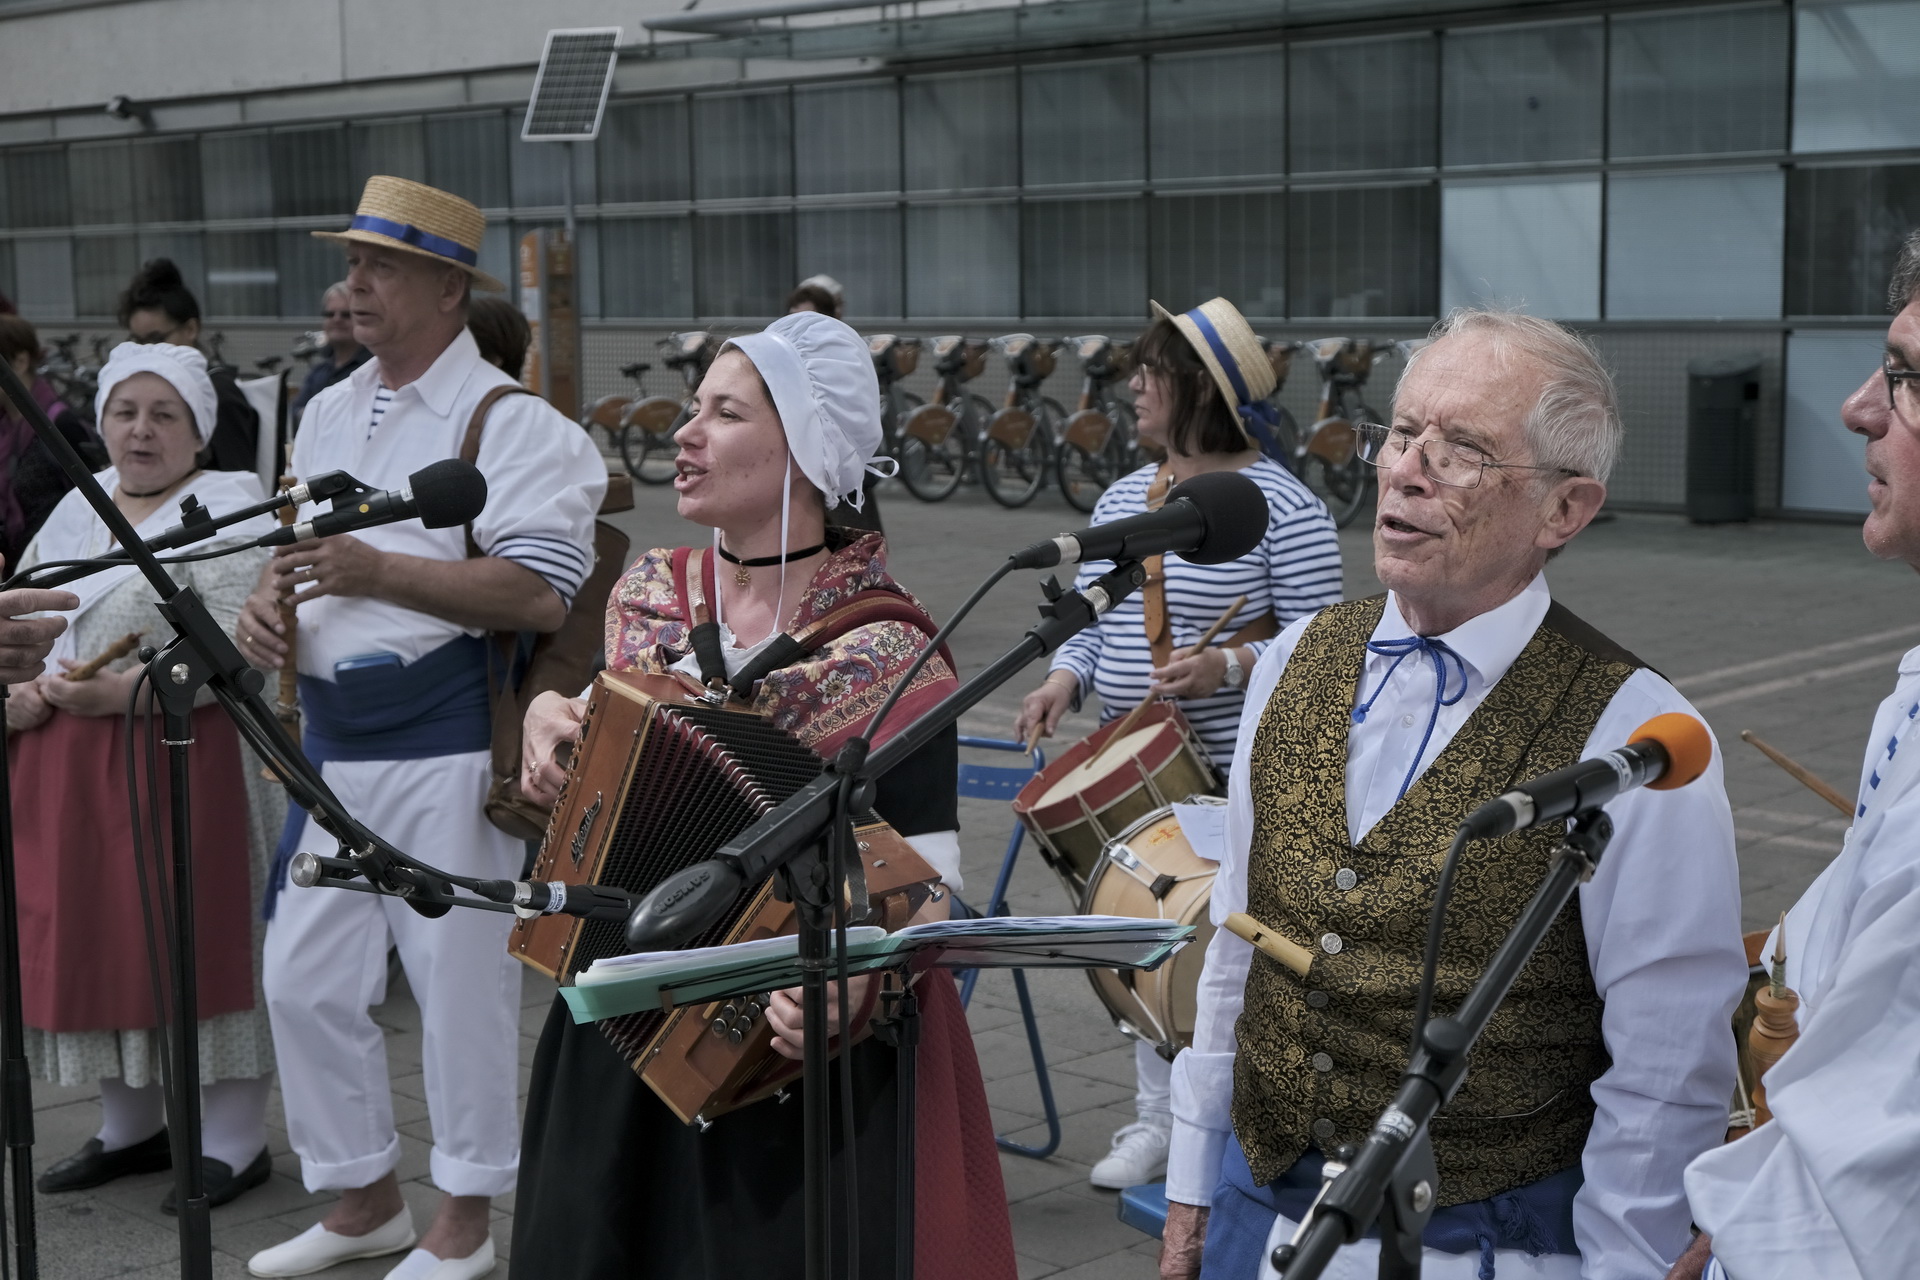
[1236, 674]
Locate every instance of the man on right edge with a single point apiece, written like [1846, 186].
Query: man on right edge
[1370, 731]
[1830, 1186]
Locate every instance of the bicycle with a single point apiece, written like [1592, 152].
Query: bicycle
[940, 441]
[608, 412]
[74, 380]
[1325, 456]
[1099, 443]
[894, 357]
[646, 430]
[1021, 437]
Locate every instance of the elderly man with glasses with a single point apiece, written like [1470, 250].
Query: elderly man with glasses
[1827, 1187]
[344, 353]
[1371, 730]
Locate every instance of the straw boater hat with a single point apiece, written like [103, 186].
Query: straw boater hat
[1225, 343]
[416, 218]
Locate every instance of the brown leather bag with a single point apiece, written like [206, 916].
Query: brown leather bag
[562, 661]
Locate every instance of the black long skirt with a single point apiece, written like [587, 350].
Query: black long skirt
[614, 1187]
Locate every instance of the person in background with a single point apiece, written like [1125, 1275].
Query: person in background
[344, 352]
[31, 482]
[158, 307]
[89, 1014]
[820, 293]
[1189, 409]
[502, 334]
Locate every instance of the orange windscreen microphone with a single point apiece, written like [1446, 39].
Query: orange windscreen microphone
[1667, 751]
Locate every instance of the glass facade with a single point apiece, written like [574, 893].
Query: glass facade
[1749, 161]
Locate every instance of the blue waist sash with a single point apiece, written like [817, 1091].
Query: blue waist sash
[1537, 1217]
[439, 705]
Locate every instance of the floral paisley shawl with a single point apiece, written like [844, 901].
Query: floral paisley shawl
[823, 700]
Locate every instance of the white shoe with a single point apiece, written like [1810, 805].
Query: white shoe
[317, 1248]
[421, 1265]
[1139, 1155]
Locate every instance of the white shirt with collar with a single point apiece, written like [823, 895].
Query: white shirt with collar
[1662, 924]
[1831, 1187]
[544, 476]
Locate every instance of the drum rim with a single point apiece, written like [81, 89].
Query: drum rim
[1161, 716]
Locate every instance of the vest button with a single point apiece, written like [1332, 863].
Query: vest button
[1345, 879]
[1323, 1128]
[1407, 721]
[1330, 943]
[1322, 1062]
[1316, 999]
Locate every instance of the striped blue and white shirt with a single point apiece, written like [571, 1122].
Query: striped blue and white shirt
[1293, 572]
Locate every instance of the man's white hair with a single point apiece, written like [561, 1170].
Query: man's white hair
[1575, 424]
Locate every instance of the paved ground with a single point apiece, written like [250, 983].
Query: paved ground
[1789, 630]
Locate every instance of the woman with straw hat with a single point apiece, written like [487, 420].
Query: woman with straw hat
[1200, 384]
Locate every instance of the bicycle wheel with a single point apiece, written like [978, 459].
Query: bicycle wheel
[1013, 457]
[1083, 476]
[649, 454]
[932, 468]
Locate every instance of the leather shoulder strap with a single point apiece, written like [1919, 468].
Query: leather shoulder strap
[470, 443]
[1153, 593]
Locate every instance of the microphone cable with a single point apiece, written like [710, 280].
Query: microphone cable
[161, 1039]
[933, 646]
[1436, 925]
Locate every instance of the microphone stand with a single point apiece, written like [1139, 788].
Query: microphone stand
[788, 841]
[1392, 1176]
[201, 655]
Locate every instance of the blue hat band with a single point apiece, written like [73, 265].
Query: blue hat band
[1220, 353]
[407, 233]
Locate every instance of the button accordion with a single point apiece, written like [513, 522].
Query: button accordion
[662, 778]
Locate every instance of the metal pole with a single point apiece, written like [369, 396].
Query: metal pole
[16, 1107]
[173, 677]
[566, 178]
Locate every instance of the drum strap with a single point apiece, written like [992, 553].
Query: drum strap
[1153, 596]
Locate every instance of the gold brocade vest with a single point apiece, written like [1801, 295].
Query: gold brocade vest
[1319, 1057]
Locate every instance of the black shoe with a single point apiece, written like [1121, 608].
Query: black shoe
[93, 1166]
[222, 1184]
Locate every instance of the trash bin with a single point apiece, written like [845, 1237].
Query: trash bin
[1723, 411]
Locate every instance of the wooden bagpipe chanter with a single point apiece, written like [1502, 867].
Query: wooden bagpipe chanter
[666, 772]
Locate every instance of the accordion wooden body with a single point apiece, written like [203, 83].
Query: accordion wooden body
[661, 779]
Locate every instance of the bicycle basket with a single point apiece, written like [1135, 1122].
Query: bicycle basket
[655, 415]
[1356, 358]
[1334, 443]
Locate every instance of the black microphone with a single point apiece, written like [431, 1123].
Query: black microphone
[447, 493]
[1212, 518]
[1667, 751]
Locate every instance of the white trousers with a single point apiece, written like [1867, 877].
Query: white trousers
[1361, 1261]
[1153, 1083]
[326, 964]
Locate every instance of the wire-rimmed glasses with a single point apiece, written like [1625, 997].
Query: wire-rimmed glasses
[1448, 462]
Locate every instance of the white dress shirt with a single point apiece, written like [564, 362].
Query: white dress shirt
[1831, 1187]
[1662, 924]
[545, 480]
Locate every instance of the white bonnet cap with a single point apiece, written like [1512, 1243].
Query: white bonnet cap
[824, 387]
[183, 367]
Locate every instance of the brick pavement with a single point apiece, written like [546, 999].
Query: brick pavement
[1787, 629]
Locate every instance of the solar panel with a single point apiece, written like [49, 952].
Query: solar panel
[570, 91]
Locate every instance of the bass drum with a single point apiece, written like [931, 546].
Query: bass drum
[1152, 873]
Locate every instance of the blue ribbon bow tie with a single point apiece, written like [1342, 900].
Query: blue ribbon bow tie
[1400, 650]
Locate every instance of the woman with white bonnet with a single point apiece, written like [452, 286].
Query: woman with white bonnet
[612, 1183]
[83, 956]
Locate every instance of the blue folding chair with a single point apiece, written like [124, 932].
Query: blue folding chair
[990, 782]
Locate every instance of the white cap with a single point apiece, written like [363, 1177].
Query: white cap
[183, 367]
[828, 397]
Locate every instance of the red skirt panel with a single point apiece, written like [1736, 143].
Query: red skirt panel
[83, 950]
[961, 1229]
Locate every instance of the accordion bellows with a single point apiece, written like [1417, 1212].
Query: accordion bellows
[662, 778]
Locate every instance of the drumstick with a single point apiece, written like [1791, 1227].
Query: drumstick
[112, 653]
[1288, 953]
[1800, 772]
[1127, 722]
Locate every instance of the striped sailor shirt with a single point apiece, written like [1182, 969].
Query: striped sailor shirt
[1293, 572]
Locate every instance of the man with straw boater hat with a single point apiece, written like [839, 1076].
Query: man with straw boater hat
[1370, 730]
[392, 659]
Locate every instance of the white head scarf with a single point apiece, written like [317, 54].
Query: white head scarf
[183, 367]
[824, 388]
[828, 396]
